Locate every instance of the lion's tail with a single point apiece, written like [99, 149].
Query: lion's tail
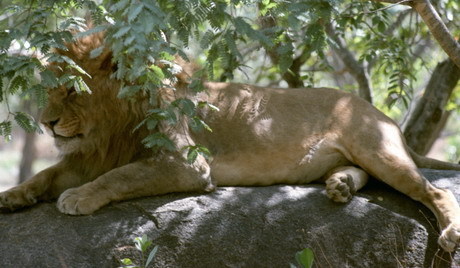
[426, 162]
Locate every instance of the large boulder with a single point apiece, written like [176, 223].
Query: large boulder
[236, 227]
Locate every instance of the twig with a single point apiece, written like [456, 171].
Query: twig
[386, 7]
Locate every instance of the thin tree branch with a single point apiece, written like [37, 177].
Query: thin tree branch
[437, 27]
[356, 69]
[394, 2]
[387, 7]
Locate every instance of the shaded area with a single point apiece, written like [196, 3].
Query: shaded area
[236, 227]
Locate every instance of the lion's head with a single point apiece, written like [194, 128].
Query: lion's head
[99, 124]
[90, 122]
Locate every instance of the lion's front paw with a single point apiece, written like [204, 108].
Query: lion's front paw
[76, 201]
[16, 198]
[340, 187]
[450, 237]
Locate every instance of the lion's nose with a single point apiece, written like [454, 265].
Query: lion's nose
[51, 123]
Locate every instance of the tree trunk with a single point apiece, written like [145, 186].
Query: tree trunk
[28, 157]
[292, 76]
[429, 117]
[29, 151]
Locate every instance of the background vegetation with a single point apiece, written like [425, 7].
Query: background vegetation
[387, 54]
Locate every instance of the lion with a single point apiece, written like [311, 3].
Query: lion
[260, 136]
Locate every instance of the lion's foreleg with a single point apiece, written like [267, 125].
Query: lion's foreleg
[45, 185]
[343, 182]
[27, 193]
[139, 179]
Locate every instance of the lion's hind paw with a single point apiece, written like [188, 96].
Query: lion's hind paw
[340, 187]
[450, 237]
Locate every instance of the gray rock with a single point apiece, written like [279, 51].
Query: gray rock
[236, 227]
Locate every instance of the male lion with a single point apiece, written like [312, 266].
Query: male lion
[260, 136]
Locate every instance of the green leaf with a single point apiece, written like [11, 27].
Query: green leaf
[197, 124]
[134, 11]
[196, 85]
[127, 261]
[285, 57]
[160, 114]
[192, 155]
[26, 122]
[151, 256]
[186, 106]
[122, 31]
[203, 104]
[245, 28]
[41, 95]
[120, 5]
[194, 151]
[230, 41]
[6, 129]
[48, 79]
[145, 243]
[156, 75]
[80, 85]
[91, 31]
[206, 40]
[18, 82]
[129, 91]
[159, 140]
[305, 258]
[266, 5]
[96, 52]
[138, 243]
[79, 69]
[152, 124]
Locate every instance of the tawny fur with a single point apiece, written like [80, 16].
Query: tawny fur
[261, 136]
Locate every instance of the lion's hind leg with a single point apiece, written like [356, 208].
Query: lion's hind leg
[343, 182]
[389, 161]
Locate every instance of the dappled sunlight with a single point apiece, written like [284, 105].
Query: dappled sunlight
[137, 75]
[291, 193]
[244, 217]
[234, 224]
[447, 183]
